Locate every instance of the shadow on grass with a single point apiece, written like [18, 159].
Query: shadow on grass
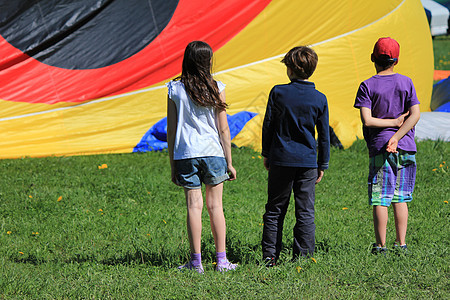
[30, 259]
[130, 258]
[139, 257]
[236, 253]
[322, 246]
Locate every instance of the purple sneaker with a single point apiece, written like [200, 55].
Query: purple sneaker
[225, 265]
[189, 266]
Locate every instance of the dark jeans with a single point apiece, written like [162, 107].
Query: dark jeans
[282, 180]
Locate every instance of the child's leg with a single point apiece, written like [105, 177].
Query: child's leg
[380, 219]
[279, 190]
[304, 229]
[215, 209]
[218, 226]
[401, 222]
[403, 194]
[194, 203]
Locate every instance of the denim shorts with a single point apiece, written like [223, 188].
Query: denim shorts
[391, 178]
[192, 172]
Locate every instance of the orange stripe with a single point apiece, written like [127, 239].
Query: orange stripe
[441, 74]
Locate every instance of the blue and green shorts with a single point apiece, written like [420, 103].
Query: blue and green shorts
[391, 178]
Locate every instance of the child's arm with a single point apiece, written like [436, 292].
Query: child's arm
[171, 131]
[323, 143]
[410, 122]
[225, 137]
[369, 121]
[267, 131]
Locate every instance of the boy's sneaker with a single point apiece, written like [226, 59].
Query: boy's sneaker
[400, 250]
[378, 250]
[269, 262]
[226, 265]
[189, 266]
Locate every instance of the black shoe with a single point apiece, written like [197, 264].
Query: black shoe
[400, 250]
[378, 250]
[270, 262]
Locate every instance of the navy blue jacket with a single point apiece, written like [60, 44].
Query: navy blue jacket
[293, 112]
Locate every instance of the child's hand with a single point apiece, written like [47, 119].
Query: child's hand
[401, 119]
[392, 145]
[266, 163]
[231, 173]
[319, 175]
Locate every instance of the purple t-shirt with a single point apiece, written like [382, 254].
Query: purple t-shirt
[387, 96]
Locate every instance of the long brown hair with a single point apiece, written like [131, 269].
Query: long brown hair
[196, 75]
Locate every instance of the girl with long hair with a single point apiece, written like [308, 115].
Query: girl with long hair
[200, 149]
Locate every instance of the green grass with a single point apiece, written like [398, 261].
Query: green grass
[119, 232]
[441, 49]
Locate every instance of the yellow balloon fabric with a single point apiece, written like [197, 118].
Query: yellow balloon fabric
[343, 35]
[341, 32]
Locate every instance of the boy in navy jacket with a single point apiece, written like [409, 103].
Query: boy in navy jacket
[291, 155]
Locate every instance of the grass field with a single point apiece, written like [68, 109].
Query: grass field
[441, 49]
[69, 229]
[72, 230]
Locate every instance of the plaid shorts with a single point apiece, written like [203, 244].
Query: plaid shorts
[391, 178]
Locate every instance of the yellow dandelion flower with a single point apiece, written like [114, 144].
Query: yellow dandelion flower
[30, 196]
[214, 263]
[59, 198]
[20, 252]
[445, 201]
[104, 166]
[8, 232]
[414, 270]
[253, 157]
[313, 259]
[440, 166]
[259, 156]
[344, 208]
[298, 269]
[443, 162]
[164, 221]
[100, 209]
[148, 234]
[434, 170]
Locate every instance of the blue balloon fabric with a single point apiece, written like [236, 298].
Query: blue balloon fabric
[440, 99]
[155, 139]
[443, 108]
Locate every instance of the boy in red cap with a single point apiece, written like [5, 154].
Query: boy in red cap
[389, 111]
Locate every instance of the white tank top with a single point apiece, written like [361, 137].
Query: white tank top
[197, 134]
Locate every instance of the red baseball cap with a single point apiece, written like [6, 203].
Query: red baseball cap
[386, 46]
